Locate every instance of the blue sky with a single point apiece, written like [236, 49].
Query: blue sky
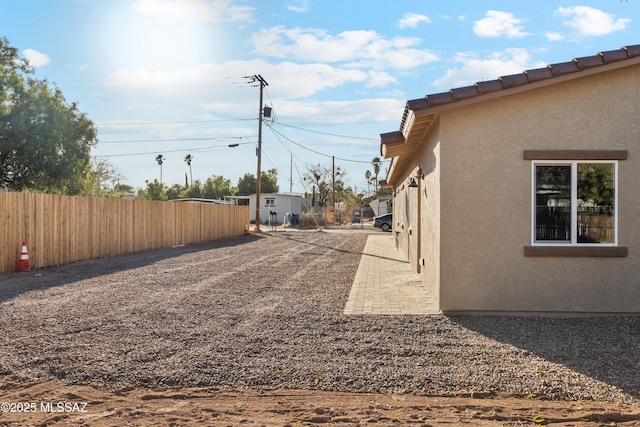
[167, 76]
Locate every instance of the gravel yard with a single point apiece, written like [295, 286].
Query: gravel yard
[265, 312]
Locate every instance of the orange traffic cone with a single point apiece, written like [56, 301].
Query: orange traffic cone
[246, 229]
[23, 263]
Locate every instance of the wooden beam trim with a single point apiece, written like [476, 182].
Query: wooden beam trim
[575, 251]
[575, 154]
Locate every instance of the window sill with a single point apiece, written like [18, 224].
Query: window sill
[575, 251]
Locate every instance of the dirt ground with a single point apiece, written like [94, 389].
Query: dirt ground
[61, 334]
[57, 404]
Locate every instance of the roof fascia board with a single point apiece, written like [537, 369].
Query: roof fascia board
[390, 173]
[523, 88]
[408, 125]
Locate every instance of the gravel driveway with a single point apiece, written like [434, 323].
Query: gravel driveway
[266, 312]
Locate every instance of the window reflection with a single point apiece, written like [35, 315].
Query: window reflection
[593, 203]
[553, 203]
[596, 203]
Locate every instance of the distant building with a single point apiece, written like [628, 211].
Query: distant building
[284, 204]
[381, 205]
[201, 200]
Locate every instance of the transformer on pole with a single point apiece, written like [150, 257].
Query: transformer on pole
[267, 112]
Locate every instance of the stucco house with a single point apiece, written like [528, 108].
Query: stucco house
[282, 203]
[521, 195]
[381, 205]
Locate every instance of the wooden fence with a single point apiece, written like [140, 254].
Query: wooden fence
[594, 224]
[64, 229]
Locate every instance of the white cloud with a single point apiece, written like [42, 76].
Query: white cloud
[36, 59]
[356, 49]
[196, 86]
[412, 20]
[194, 10]
[472, 69]
[342, 112]
[591, 22]
[78, 68]
[299, 6]
[127, 126]
[291, 85]
[496, 24]
[553, 36]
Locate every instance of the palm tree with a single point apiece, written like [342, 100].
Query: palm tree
[367, 175]
[377, 164]
[160, 159]
[188, 158]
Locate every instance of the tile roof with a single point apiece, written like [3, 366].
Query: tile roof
[524, 78]
[399, 145]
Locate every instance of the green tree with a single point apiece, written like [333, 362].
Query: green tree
[217, 187]
[268, 183]
[123, 188]
[175, 191]
[352, 197]
[193, 191]
[246, 185]
[596, 183]
[45, 143]
[155, 191]
[101, 180]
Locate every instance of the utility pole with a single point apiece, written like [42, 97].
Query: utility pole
[262, 83]
[333, 183]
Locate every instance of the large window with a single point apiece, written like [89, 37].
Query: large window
[575, 202]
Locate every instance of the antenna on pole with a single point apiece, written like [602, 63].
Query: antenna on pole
[261, 83]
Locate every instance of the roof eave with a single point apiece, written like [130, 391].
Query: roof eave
[517, 83]
[420, 113]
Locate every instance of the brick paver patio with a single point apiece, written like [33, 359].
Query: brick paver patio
[385, 283]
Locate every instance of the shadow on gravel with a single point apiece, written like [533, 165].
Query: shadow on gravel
[602, 348]
[290, 237]
[15, 284]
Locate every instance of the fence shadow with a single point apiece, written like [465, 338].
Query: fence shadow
[290, 236]
[602, 348]
[15, 284]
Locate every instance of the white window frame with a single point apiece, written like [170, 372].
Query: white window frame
[574, 198]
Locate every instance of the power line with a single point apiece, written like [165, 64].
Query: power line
[277, 135]
[276, 120]
[318, 152]
[172, 122]
[327, 133]
[221, 138]
[175, 151]
[299, 145]
[237, 120]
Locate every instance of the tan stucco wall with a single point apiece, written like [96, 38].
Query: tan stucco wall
[485, 199]
[424, 241]
[406, 224]
[430, 199]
